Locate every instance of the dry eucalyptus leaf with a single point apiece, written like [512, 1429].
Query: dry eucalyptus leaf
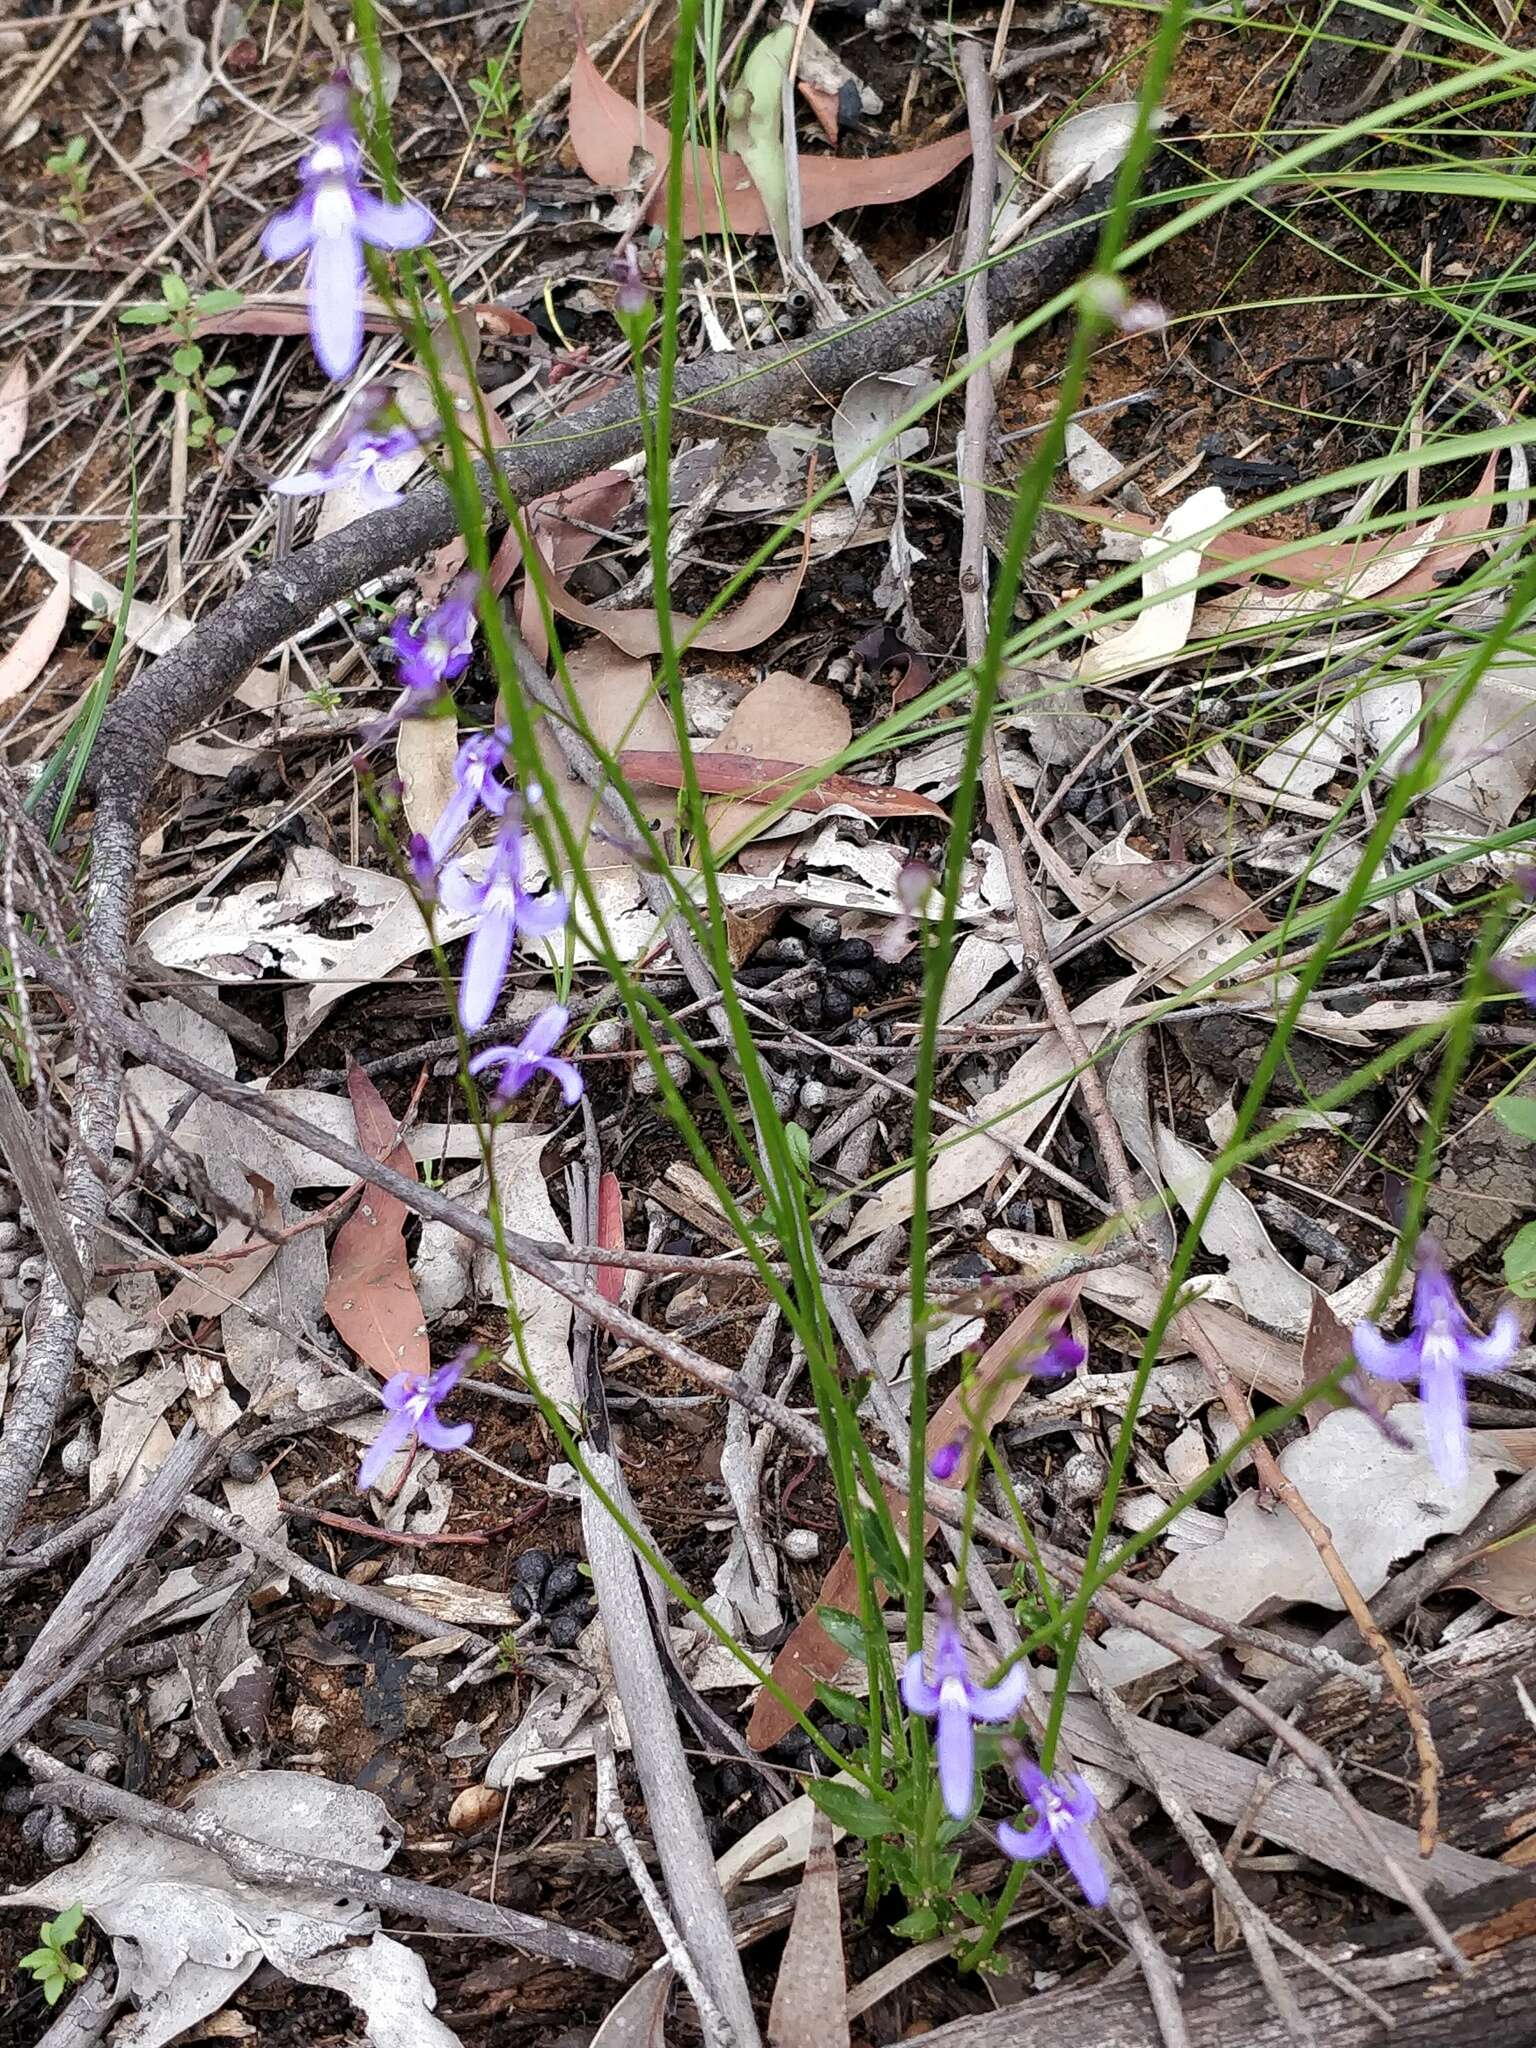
[1380, 1503]
[1091, 144]
[425, 750]
[784, 718]
[810, 1998]
[869, 408]
[1162, 626]
[150, 626]
[1258, 1280]
[776, 1845]
[170, 108]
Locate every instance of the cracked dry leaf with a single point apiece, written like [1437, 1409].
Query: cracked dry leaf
[869, 408]
[186, 1933]
[1258, 1280]
[1380, 1503]
[1161, 627]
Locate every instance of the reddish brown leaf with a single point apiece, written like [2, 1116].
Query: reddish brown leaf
[606, 129]
[762, 611]
[372, 1300]
[810, 1654]
[610, 1234]
[24, 661]
[596, 501]
[765, 782]
[1141, 882]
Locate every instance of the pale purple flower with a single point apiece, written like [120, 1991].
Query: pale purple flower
[953, 1699]
[1064, 1808]
[412, 1400]
[421, 864]
[503, 909]
[1520, 975]
[624, 269]
[364, 439]
[333, 219]
[476, 786]
[1440, 1351]
[430, 656]
[534, 1055]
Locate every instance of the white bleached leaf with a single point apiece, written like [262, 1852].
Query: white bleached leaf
[1379, 1502]
[870, 407]
[170, 108]
[545, 1316]
[1258, 1280]
[150, 626]
[1090, 143]
[755, 1856]
[1162, 625]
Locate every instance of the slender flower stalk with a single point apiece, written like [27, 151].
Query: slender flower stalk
[333, 220]
[1064, 1808]
[534, 1054]
[413, 1401]
[956, 1702]
[1439, 1352]
[503, 908]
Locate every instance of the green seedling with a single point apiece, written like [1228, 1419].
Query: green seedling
[51, 1963]
[69, 166]
[177, 310]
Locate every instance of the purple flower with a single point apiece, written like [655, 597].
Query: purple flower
[413, 1402]
[1065, 1807]
[1439, 1353]
[421, 864]
[1520, 975]
[624, 268]
[503, 909]
[535, 1055]
[956, 1702]
[475, 787]
[364, 439]
[430, 656]
[334, 217]
[1062, 1354]
[945, 1462]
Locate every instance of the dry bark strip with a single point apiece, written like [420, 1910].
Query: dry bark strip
[185, 687]
[1491, 2006]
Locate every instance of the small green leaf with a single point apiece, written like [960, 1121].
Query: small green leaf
[42, 1962]
[850, 1809]
[188, 357]
[220, 375]
[1520, 1263]
[888, 1561]
[67, 1925]
[166, 382]
[220, 300]
[841, 1705]
[142, 316]
[224, 436]
[973, 1908]
[1517, 1113]
[53, 1990]
[919, 1925]
[173, 289]
[846, 1630]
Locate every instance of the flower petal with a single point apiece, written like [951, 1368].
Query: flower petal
[956, 1746]
[545, 1032]
[392, 224]
[458, 891]
[485, 968]
[1082, 1859]
[392, 1437]
[288, 234]
[1002, 1701]
[1077, 1796]
[1445, 1422]
[920, 1696]
[335, 302]
[444, 1436]
[493, 1056]
[400, 1390]
[1493, 1352]
[1386, 1360]
[1024, 1845]
[540, 916]
[571, 1083]
[308, 483]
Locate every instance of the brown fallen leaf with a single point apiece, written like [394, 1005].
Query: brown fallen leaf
[1218, 893]
[595, 501]
[810, 1998]
[765, 782]
[371, 1299]
[193, 1297]
[610, 1234]
[277, 314]
[1504, 1574]
[810, 1654]
[24, 661]
[762, 611]
[606, 129]
[14, 392]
